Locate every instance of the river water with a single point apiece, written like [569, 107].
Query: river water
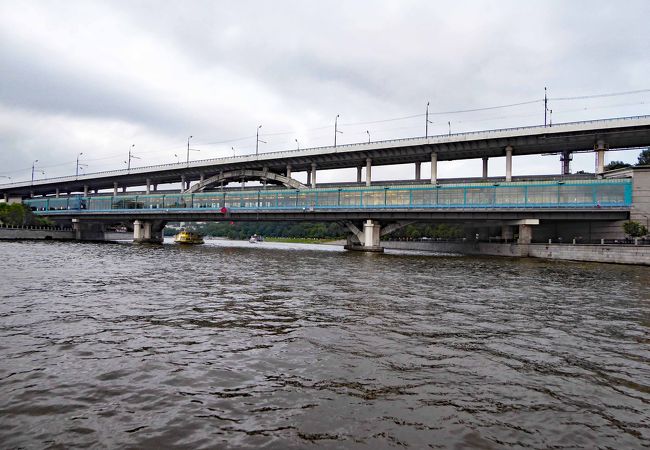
[237, 345]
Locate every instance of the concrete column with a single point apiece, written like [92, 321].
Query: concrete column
[485, 167]
[115, 189]
[56, 195]
[123, 188]
[506, 233]
[155, 187]
[368, 171]
[288, 170]
[434, 168]
[308, 178]
[182, 183]
[600, 156]
[566, 162]
[137, 230]
[201, 177]
[96, 191]
[146, 230]
[359, 174]
[508, 163]
[148, 185]
[525, 234]
[313, 175]
[85, 190]
[418, 167]
[7, 197]
[371, 234]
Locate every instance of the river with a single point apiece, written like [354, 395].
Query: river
[238, 345]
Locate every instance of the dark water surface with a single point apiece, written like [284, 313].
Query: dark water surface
[235, 345]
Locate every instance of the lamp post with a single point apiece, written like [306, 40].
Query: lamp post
[368, 132]
[131, 156]
[449, 123]
[188, 149]
[77, 171]
[336, 128]
[33, 165]
[178, 159]
[426, 124]
[297, 143]
[233, 151]
[258, 140]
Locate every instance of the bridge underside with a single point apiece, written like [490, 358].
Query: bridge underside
[247, 175]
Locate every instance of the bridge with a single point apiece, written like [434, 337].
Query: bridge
[587, 204]
[278, 167]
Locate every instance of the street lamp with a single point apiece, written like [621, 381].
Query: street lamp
[77, 171]
[336, 128]
[258, 140]
[131, 156]
[426, 126]
[449, 123]
[233, 151]
[188, 149]
[178, 159]
[33, 165]
[297, 143]
[368, 132]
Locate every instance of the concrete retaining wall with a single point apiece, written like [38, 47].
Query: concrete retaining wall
[619, 254]
[27, 233]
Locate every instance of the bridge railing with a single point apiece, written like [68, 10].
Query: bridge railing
[440, 138]
[574, 194]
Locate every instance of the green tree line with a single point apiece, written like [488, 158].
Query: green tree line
[19, 215]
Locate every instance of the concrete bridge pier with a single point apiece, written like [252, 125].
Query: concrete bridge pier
[88, 231]
[369, 240]
[148, 231]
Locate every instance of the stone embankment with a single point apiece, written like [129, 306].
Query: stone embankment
[36, 233]
[607, 253]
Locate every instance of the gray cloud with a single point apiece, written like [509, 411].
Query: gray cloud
[153, 72]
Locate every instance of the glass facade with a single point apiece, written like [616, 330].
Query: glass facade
[588, 193]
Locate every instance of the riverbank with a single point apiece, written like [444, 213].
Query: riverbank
[617, 253]
[36, 233]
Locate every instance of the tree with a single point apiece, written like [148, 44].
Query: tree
[634, 229]
[616, 165]
[644, 158]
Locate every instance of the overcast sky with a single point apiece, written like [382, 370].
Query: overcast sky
[97, 77]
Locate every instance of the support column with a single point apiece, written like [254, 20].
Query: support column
[368, 171]
[148, 186]
[155, 187]
[115, 189]
[600, 156]
[123, 188]
[313, 175]
[146, 231]
[201, 177]
[359, 174]
[566, 162]
[308, 178]
[367, 240]
[56, 195]
[508, 163]
[182, 183]
[137, 230]
[6, 197]
[485, 167]
[85, 190]
[434, 168]
[506, 233]
[288, 170]
[525, 234]
[418, 167]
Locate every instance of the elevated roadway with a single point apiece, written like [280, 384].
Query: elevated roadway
[277, 167]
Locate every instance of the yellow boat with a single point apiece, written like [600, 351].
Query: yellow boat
[187, 237]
